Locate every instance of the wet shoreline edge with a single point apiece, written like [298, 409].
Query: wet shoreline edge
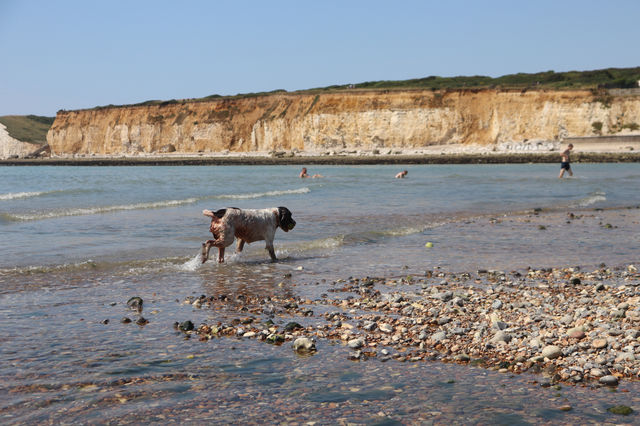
[511, 158]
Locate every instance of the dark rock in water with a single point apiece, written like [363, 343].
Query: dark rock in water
[275, 338]
[125, 320]
[292, 326]
[135, 303]
[186, 326]
[106, 321]
[142, 321]
[620, 409]
[575, 281]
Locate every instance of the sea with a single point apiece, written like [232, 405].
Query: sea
[76, 243]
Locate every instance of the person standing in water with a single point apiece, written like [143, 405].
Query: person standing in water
[565, 164]
[402, 174]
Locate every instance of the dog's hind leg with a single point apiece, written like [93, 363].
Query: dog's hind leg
[240, 245]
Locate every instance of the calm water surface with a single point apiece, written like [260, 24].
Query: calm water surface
[77, 242]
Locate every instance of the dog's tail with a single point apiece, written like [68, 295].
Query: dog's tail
[218, 213]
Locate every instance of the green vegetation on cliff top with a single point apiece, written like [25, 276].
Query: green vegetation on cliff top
[609, 78]
[28, 128]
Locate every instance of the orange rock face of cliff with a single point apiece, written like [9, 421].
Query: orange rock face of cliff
[334, 121]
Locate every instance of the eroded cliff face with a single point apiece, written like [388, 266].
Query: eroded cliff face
[11, 147]
[353, 121]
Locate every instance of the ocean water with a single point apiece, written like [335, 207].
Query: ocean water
[77, 242]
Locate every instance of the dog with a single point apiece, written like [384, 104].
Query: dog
[247, 226]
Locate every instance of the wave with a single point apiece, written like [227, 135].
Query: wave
[18, 195]
[590, 199]
[97, 210]
[82, 211]
[260, 194]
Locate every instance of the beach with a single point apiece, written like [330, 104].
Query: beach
[486, 293]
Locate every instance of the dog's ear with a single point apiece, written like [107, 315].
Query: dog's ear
[286, 221]
[219, 213]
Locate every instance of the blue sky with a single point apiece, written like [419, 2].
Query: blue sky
[80, 54]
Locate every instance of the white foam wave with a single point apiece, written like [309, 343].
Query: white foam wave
[591, 199]
[99, 210]
[262, 194]
[191, 264]
[17, 195]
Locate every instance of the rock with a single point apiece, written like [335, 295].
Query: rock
[167, 148]
[551, 352]
[445, 296]
[575, 333]
[608, 380]
[501, 336]
[462, 357]
[275, 338]
[384, 327]
[439, 336]
[186, 326]
[356, 343]
[564, 408]
[499, 325]
[125, 320]
[135, 303]
[291, 326]
[575, 281]
[249, 334]
[304, 344]
[596, 372]
[142, 321]
[497, 304]
[620, 409]
[599, 343]
[105, 321]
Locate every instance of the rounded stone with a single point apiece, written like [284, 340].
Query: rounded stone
[501, 336]
[551, 352]
[608, 380]
[576, 334]
[356, 343]
[304, 344]
[386, 328]
[599, 343]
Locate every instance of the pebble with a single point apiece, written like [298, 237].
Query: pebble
[599, 343]
[551, 352]
[501, 336]
[356, 343]
[608, 380]
[568, 333]
[439, 336]
[386, 328]
[304, 344]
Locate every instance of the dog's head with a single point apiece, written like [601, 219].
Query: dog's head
[286, 221]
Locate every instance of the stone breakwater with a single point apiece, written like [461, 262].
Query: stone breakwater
[569, 325]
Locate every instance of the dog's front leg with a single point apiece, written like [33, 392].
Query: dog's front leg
[221, 254]
[205, 250]
[272, 252]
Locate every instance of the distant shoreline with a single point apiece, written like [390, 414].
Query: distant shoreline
[484, 158]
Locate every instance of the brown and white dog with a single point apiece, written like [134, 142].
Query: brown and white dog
[247, 226]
